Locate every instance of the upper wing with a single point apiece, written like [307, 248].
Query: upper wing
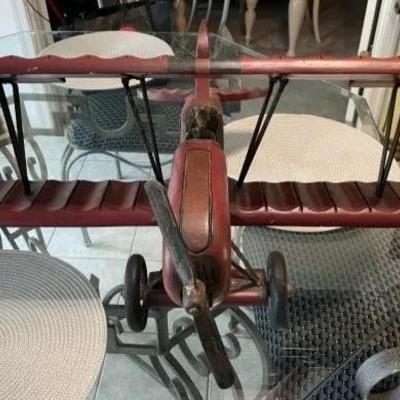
[356, 70]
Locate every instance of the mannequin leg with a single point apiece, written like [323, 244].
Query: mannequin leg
[180, 22]
[249, 19]
[316, 20]
[224, 15]
[296, 12]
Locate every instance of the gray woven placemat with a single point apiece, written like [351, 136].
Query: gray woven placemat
[52, 329]
[345, 307]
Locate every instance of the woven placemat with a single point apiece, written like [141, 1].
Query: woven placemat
[107, 44]
[344, 308]
[52, 329]
[305, 148]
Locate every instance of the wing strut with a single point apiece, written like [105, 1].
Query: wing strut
[151, 149]
[387, 158]
[15, 131]
[262, 123]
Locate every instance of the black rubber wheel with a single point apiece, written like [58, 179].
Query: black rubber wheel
[134, 292]
[277, 289]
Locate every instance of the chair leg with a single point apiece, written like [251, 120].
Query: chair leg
[86, 237]
[316, 20]
[37, 159]
[13, 167]
[118, 167]
[40, 236]
[296, 13]
[10, 238]
[37, 246]
[64, 161]
[249, 19]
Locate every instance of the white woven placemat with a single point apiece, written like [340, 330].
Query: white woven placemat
[53, 329]
[305, 148]
[107, 44]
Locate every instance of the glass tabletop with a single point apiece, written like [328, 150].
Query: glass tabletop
[31, 44]
[343, 308]
[345, 296]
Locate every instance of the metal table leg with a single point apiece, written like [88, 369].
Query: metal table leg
[181, 385]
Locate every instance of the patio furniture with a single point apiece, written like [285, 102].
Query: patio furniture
[11, 172]
[102, 122]
[102, 119]
[54, 330]
[171, 347]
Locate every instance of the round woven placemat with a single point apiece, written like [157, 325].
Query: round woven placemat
[107, 44]
[305, 148]
[52, 332]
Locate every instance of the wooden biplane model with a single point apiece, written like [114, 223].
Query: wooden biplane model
[197, 207]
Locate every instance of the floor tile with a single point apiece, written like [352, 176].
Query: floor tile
[52, 147]
[148, 242]
[109, 271]
[247, 365]
[122, 379]
[106, 169]
[140, 172]
[141, 159]
[128, 155]
[52, 163]
[100, 166]
[108, 242]
[98, 170]
[54, 169]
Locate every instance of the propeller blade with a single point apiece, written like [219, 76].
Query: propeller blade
[195, 298]
[214, 349]
[159, 202]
